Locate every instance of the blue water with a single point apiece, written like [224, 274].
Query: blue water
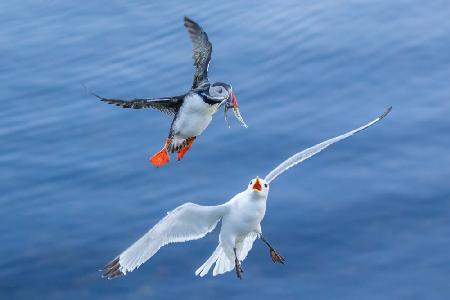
[369, 218]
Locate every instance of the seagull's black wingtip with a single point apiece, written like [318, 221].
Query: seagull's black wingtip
[385, 113]
[112, 269]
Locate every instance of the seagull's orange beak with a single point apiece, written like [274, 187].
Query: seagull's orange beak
[257, 186]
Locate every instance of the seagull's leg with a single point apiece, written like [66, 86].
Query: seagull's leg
[237, 265]
[276, 257]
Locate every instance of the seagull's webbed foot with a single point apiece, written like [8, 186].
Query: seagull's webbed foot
[238, 266]
[276, 257]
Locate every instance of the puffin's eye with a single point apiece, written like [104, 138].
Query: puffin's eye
[219, 90]
[251, 182]
[265, 184]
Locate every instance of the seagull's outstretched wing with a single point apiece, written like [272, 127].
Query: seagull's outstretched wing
[202, 49]
[168, 105]
[307, 153]
[185, 223]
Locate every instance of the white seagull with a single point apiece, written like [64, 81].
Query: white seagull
[241, 223]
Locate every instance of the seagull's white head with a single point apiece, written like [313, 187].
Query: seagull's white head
[259, 187]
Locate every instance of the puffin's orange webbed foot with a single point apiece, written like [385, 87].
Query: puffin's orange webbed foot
[162, 157]
[186, 148]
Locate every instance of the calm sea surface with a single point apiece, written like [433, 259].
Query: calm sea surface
[369, 218]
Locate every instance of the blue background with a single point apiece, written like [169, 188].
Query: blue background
[366, 219]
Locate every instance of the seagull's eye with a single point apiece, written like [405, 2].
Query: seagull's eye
[265, 185]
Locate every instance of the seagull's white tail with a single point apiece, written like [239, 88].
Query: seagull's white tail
[225, 263]
[220, 258]
[204, 269]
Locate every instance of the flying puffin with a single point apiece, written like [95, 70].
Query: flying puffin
[192, 111]
[240, 223]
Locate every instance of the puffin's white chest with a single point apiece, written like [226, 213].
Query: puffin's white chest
[193, 117]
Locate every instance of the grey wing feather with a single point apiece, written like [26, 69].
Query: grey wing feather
[202, 49]
[168, 105]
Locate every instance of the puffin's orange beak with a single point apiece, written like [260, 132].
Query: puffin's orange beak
[234, 100]
[257, 186]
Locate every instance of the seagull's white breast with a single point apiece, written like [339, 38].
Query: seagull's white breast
[245, 215]
[194, 116]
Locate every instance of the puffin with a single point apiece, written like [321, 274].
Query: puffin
[193, 111]
[240, 219]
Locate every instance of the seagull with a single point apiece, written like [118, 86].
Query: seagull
[192, 112]
[241, 223]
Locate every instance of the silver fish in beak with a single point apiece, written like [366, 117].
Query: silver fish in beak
[232, 103]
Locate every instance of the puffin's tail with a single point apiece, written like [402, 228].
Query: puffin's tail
[220, 258]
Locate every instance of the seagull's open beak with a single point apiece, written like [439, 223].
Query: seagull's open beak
[257, 186]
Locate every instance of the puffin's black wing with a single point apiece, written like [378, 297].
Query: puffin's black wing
[169, 105]
[202, 49]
